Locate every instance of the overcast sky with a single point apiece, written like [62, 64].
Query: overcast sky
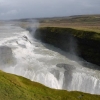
[15, 9]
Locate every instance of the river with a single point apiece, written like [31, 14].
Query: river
[23, 55]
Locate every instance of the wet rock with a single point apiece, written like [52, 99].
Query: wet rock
[66, 66]
[6, 56]
[67, 74]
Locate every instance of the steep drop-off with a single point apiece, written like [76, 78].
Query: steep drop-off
[86, 44]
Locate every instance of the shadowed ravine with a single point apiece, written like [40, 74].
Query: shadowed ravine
[52, 67]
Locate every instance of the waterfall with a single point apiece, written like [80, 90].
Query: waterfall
[32, 59]
[85, 83]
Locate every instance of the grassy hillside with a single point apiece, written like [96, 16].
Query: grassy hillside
[14, 87]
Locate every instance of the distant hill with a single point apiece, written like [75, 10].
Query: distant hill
[97, 17]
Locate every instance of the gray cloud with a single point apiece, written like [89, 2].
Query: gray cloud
[14, 9]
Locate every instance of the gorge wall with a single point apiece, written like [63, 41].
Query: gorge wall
[85, 44]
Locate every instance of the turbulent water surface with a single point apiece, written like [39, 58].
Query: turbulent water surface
[23, 55]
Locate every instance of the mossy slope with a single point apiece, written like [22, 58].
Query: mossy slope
[14, 87]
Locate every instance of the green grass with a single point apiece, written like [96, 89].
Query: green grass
[14, 87]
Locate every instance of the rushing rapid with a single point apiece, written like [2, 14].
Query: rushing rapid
[23, 55]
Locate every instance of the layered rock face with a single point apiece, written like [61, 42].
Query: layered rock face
[83, 43]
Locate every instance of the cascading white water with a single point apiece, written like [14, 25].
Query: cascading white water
[23, 55]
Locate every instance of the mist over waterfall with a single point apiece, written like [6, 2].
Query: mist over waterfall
[22, 54]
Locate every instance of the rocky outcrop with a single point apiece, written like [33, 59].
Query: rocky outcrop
[84, 43]
[6, 57]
